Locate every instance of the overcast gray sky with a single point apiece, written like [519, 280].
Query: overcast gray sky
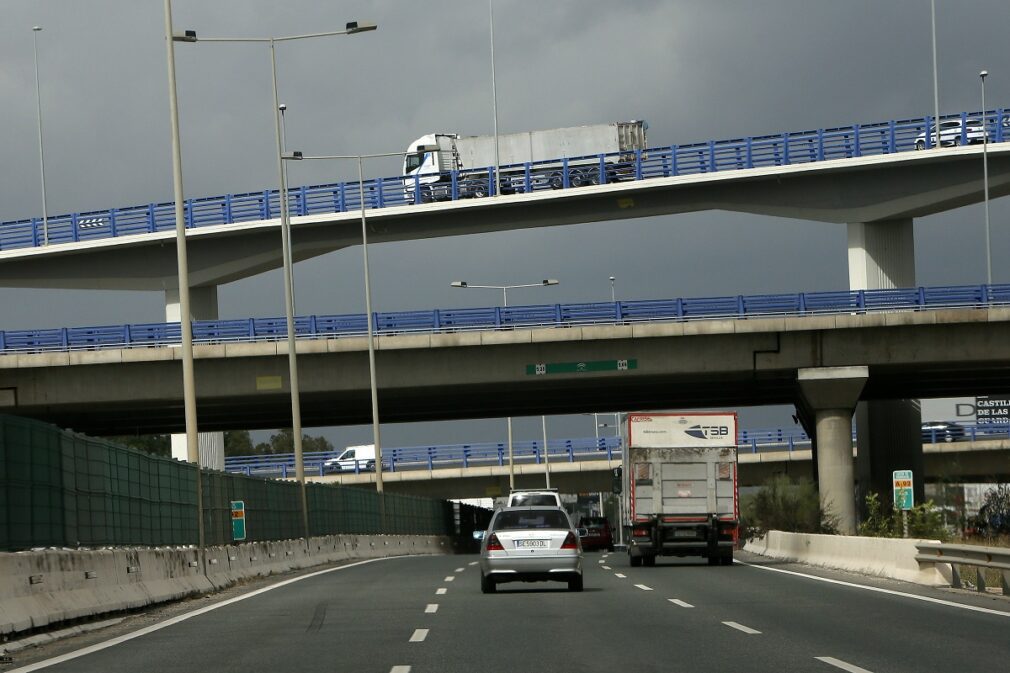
[694, 69]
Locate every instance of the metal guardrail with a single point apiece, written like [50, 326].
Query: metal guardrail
[432, 457]
[146, 335]
[980, 558]
[782, 149]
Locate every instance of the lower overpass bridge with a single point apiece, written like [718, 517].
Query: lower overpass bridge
[584, 465]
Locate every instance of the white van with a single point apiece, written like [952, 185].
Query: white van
[353, 459]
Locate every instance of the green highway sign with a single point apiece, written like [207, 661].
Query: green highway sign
[902, 482]
[237, 520]
[543, 368]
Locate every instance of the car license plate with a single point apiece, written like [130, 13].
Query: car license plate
[683, 533]
[532, 544]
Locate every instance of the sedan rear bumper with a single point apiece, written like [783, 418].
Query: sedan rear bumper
[532, 569]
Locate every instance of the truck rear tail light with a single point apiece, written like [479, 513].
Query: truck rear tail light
[640, 532]
[493, 543]
[571, 542]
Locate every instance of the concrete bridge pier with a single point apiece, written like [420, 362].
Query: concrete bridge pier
[832, 393]
[888, 432]
[203, 306]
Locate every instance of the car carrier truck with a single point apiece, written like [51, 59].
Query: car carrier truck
[444, 166]
[680, 486]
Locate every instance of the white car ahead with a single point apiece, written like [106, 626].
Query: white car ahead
[951, 135]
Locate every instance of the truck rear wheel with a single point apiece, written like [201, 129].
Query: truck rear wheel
[713, 560]
[649, 561]
[636, 561]
[726, 559]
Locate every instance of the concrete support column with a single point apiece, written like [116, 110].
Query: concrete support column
[882, 256]
[832, 393]
[203, 306]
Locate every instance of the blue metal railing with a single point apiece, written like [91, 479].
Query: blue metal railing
[431, 457]
[741, 307]
[706, 157]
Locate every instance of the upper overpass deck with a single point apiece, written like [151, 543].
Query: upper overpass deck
[857, 173]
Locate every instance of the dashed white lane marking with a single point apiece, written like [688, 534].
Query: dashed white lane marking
[449, 578]
[458, 570]
[605, 567]
[419, 635]
[740, 627]
[606, 555]
[440, 590]
[431, 608]
[845, 666]
[643, 587]
[620, 575]
[677, 601]
[472, 563]
[400, 669]
[601, 561]
[879, 590]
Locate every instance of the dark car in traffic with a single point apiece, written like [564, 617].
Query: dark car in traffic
[599, 536]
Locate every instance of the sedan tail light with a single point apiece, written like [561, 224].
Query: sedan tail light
[493, 543]
[571, 542]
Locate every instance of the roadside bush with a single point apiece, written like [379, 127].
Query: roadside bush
[993, 517]
[783, 505]
[924, 521]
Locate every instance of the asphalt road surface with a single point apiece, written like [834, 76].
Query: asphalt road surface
[427, 614]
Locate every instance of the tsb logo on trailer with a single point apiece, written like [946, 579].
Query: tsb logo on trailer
[707, 431]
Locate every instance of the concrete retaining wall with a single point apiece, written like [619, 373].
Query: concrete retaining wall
[882, 557]
[40, 588]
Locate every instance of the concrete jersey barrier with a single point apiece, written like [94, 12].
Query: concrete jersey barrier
[41, 588]
[877, 556]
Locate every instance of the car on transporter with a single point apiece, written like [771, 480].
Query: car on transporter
[530, 544]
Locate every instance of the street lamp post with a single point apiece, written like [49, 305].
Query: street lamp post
[494, 108]
[185, 320]
[612, 295]
[505, 297]
[373, 385]
[985, 180]
[42, 155]
[351, 28]
[936, 86]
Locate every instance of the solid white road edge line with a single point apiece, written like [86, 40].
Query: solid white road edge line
[740, 627]
[838, 663]
[431, 608]
[892, 592]
[181, 618]
[677, 601]
[418, 636]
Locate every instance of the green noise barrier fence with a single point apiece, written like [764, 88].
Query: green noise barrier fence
[62, 489]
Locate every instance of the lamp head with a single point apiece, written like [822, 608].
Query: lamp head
[550, 281]
[360, 27]
[36, 28]
[984, 74]
[458, 283]
[188, 36]
[282, 107]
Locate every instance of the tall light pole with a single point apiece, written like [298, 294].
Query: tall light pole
[505, 297]
[185, 320]
[936, 85]
[494, 106]
[351, 28]
[373, 385]
[42, 155]
[985, 180]
[547, 460]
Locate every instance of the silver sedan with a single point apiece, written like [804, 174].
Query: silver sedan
[530, 544]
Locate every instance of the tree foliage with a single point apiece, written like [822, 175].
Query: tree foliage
[158, 445]
[783, 505]
[994, 514]
[283, 442]
[882, 520]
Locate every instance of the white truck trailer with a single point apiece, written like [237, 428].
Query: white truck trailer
[444, 166]
[679, 486]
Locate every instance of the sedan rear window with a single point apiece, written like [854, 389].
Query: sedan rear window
[531, 519]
